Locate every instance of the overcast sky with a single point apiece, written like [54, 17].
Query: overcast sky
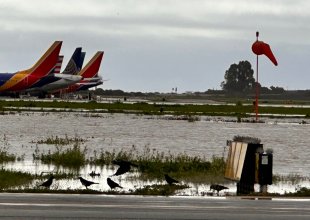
[157, 45]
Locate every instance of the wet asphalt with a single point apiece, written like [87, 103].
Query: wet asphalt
[73, 206]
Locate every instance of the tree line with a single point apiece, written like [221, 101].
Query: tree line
[238, 81]
[239, 78]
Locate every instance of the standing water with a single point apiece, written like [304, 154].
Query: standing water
[288, 138]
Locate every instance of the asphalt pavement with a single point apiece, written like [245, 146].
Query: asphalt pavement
[72, 206]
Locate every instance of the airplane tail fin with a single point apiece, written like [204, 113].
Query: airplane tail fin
[58, 65]
[75, 63]
[48, 61]
[82, 60]
[92, 67]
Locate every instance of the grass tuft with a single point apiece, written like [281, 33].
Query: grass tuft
[11, 179]
[61, 141]
[72, 157]
[152, 164]
[5, 156]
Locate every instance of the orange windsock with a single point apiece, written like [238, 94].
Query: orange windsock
[260, 47]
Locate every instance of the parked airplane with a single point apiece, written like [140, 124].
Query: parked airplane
[21, 80]
[56, 81]
[89, 74]
[55, 70]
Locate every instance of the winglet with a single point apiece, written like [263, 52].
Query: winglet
[92, 67]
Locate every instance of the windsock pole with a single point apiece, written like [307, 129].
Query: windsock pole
[257, 87]
[261, 48]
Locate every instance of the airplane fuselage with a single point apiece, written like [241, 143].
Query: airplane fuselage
[16, 81]
[61, 83]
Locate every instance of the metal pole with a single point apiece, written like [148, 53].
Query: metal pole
[257, 87]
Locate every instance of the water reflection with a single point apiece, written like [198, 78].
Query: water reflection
[128, 181]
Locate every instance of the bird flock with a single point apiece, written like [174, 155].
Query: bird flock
[124, 167]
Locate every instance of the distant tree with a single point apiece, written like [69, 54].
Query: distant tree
[214, 92]
[271, 90]
[264, 90]
[277, 90]
[98, 91]
[239, 78]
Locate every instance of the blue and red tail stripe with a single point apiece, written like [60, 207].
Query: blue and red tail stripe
[58, 65]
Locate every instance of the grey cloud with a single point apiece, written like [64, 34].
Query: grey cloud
[171, 43]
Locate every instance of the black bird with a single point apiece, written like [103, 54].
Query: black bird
[48, 182]
[86, 183]
[218, 188]
[124, 166]
[170, 180]
[113, 184]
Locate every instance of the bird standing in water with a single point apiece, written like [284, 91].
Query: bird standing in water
[112, 184]
[218, 188]
[170, 180]
[86, 183]
[48, 182]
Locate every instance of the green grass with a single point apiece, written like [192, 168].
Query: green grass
[11, 179]
[61, 140]
[156, 190]
[73, 157]
[303, 191]
[237, 110]
[6, 157]
[152, 164]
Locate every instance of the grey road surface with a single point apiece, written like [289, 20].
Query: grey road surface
[67, 206]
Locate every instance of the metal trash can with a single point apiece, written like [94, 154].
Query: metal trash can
[247, 164]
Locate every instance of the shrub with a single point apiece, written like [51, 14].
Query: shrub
[11, 179]
[73, 157]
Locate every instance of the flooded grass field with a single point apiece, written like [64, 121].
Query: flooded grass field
[21, 133]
